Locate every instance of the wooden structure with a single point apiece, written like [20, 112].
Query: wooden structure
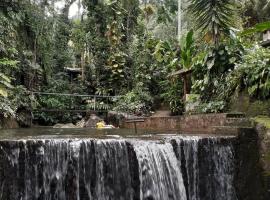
[184, 74]
[135, 121]
[73, 73]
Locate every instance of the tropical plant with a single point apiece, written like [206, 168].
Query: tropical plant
[164, 52]
[18, 97]
[8, 53]
[4, 85]
[253, 73]
[172, 93]
[213, 18]
[138, 101]
[255, 11]
[187, 51]
[211, 107]
[211, 69]
[258, 28]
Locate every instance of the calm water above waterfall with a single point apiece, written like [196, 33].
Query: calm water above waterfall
[129, 168]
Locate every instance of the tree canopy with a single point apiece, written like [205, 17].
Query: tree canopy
[124, 47]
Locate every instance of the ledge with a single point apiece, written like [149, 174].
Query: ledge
[227, 123]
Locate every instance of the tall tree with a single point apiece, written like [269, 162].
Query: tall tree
[179, 19]
[255, 11]
[62, 37]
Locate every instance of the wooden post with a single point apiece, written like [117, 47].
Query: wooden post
[135, 121]
[83, 65]
[185, 86]
[135, 127]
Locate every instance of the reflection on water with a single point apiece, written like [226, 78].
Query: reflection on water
[74, 133]
[71, 133]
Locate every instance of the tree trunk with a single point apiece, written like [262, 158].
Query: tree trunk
[179, 19]
[65, 10]
[83, 65]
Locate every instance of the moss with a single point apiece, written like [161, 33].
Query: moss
[252, 108]
[240, 103]
[259, 108]
[263, 120]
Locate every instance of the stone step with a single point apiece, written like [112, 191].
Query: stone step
[225, 130]
[229, 130]
[243, 122]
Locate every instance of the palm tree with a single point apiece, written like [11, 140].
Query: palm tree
[213, 17]
[256, 11]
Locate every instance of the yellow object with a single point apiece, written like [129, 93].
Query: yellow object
[100, 125]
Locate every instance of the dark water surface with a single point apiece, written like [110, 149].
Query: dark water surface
[54, 133]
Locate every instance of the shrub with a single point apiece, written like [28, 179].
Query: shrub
[211, 107]
[253, 73]
[138, 101]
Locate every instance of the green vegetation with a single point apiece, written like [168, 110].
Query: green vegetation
[263, 120]
[213, 18]
[130, 48]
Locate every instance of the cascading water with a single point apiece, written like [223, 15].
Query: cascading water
[208, 167]
[160, 175]
[177, 168]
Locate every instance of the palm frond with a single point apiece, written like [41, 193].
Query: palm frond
[214, 17]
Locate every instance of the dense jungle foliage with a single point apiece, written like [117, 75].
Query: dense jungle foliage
[130, 49]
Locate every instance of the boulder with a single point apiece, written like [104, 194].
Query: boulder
[92, 121]
[24, 117]
[117, 118]
[81, 123]
[8, 122]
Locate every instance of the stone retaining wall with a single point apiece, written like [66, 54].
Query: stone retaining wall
[264, 150]
[202, 123]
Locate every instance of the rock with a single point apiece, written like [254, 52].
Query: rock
[8, 122]
[92, 121]
[24, 117]
[117, 118]
[81, 123]
[69, 125]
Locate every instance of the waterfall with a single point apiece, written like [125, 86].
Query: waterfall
[187, 153]
[178, 168]
[160, 175]
[208, 165]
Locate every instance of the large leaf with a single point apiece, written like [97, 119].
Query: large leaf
[189, 39]
[3, 92]
[213, 17]
[258, 28]
[9, 63]
[4, 78]
[187, 50]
